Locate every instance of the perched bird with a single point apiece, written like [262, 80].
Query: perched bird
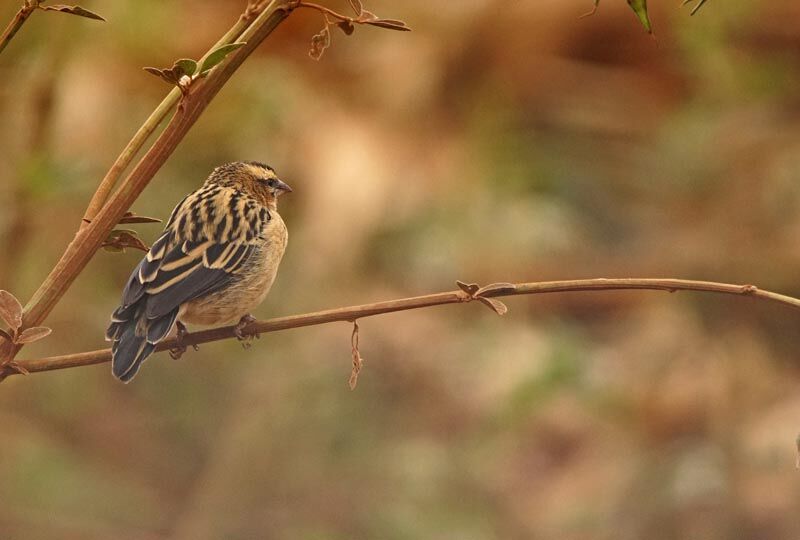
[214, 263]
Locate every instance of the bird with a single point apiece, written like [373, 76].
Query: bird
[214, 263]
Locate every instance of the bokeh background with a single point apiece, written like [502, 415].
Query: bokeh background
[498, 141]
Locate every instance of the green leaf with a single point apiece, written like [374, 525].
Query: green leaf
[218, 55]
[73, 10]
[640, 8]
[186, 66]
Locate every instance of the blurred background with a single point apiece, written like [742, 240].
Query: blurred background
[498, 141]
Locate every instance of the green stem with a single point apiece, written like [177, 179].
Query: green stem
[146, 130]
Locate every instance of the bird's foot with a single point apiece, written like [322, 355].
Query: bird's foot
[237, 330]
[178, 351]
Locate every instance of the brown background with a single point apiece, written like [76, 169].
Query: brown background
[499, 141]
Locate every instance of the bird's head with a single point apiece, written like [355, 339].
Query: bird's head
[253, 178]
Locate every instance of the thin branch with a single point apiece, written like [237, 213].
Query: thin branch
[150, 125]
[16, 23]
[88, 239]
[326, 11]
[468, 293]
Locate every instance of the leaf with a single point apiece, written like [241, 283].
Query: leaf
[469, 288]
[358, 362]
[218, 55]
[495, 305]
[119, 239]
[640, 8]
[184, 66]
[357, 7]
[366, 16]
[346, 27]
[16, 366]
[73, 10]
[130, 217]
[319, 43]
[391, 24]
[496, 288]
[35, 333]
[165, 74]
[695, 8]
[10, 310]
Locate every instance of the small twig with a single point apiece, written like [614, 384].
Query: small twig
[353, 313]
[326, 11]
[28, 7]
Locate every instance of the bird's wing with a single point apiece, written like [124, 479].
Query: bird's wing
[205, 245]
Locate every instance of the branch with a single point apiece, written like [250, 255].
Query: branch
[192, 104]
[150, 125]
[468, 293]
[16, 23]
[29, 6]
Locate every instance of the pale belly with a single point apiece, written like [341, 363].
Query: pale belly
[244, 295]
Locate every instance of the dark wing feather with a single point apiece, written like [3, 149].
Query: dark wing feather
[199, 282]
[208, 240]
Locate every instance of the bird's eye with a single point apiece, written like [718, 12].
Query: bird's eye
[271, 182]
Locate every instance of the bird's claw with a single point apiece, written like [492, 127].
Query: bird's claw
[181, 348]
[245, 339]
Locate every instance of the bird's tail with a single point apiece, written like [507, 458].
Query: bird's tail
[135, 337]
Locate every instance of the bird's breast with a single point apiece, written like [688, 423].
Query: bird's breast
[252, 282]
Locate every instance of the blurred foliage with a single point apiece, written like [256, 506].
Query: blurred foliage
[499, 141]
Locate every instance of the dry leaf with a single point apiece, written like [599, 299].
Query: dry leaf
[357, 7]
[35, 333]
[496, 288]
[391, 24]
[166, 74]
[15, 366]
[358, 362]
[10, 310]
[495, 305]
[119, 239]
[469, 288]
[346, 27]
[130, 217]
[319, 43]
[73, 10]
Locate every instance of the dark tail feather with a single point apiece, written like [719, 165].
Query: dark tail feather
[135, 337]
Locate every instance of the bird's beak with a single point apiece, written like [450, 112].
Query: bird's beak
[282, 186]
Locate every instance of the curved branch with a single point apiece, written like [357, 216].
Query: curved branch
[468, 293]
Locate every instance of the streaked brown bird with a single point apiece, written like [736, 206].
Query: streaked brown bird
[214, 263]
